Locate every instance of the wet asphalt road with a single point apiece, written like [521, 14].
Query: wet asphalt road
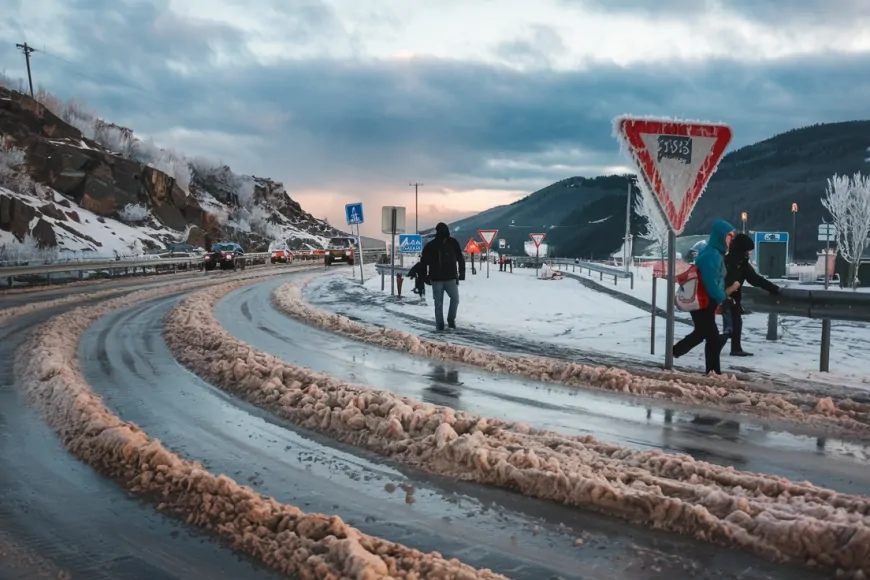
[126, 360]
[60, 514]
[720, 438]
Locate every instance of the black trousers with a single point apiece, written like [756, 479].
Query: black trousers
[737, 325]
[706, 331]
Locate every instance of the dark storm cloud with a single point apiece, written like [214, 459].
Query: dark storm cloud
[766, 11]
[328, 123]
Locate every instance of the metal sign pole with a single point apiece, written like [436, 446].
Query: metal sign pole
[537, 259]
[652, 323]
[359, 245]
[825, 355]
[487, 261]
[393, 253]
[672, 294]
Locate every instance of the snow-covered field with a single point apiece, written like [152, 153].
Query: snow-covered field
[567, 313]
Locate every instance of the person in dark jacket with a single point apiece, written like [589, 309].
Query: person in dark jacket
[711, 268]
[444, 265]
[738, 269]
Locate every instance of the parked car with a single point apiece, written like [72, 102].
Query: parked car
[280, 253]
[226, 256]
[341, 249]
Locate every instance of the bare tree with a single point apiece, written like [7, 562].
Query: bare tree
[657, 229]
[848, 201]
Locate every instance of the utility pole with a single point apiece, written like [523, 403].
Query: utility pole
[27, 50]
[626, 252]
[416, 187]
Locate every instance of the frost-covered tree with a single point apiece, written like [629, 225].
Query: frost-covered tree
[134, 213]
[12, 174]
[847, 199]
[657, 229]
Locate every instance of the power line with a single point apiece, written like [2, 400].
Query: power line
[416, 187]
[27, 50]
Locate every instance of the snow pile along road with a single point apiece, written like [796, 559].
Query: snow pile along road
[313, 546]
[767, 515]
[841, 416]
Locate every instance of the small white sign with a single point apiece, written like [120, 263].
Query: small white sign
[387, 219]
[827, 233]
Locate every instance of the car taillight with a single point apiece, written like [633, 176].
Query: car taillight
[228, 255]
[207, 258]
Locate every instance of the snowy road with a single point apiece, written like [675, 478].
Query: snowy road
[77, 520]
[126, 361]
[710, 436]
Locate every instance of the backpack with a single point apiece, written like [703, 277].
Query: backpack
[691, 295]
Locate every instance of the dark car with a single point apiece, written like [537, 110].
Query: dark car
[341, 249]
[226, 256]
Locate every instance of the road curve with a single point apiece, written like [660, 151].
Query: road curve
[76, 520]
[719, 438]
[124, 358]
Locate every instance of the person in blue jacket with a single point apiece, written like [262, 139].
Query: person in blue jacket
[711, 268]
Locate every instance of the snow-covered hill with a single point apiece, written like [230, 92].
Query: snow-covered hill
[72, 183]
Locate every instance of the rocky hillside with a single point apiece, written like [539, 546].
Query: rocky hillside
[73, 182]
[586, 217]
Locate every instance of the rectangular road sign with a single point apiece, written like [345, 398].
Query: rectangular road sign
[501, 244]
[537, 238]
[487, 236]
[676, 158]
[827, 233]
[354, 213]
[387, 219]
[410, 243]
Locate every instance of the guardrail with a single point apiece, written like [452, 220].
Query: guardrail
[824, 305]
[602, 270]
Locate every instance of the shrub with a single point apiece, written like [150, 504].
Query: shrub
[134, 213]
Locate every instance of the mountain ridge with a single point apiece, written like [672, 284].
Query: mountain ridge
[763, 179]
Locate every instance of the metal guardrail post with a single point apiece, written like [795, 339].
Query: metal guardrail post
[772, 326]
[825, 354]
[631, 280]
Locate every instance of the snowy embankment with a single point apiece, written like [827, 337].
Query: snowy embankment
[80, 233]
[279, 535]
[762, 514]
[565, 313]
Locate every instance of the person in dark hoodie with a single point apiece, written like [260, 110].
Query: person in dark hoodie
[711, 268]
[444, 266]
[738, 269]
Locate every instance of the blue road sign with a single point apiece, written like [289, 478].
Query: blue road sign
[410, 243]
[354, 213]
[771, 237]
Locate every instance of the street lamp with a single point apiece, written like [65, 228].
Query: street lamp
[744, 217]
[794, 210]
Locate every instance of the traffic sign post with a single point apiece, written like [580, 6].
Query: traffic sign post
[676, 159]
[538, 239]
[827, 234]
[501, 244]
[487, 236]
[392, 222]
[354, 213]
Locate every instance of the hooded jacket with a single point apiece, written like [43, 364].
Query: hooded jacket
[738, 268]
[442, 257]
[711, 263]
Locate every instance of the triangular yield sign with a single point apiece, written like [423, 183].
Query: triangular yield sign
[471, 247]
[537, 238]
[677, 159]
[487, 236]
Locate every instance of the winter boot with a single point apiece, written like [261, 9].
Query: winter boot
[741, 353]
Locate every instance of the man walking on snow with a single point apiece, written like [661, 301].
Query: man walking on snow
[444, 266]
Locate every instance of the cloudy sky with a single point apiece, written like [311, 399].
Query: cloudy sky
[482, 101]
